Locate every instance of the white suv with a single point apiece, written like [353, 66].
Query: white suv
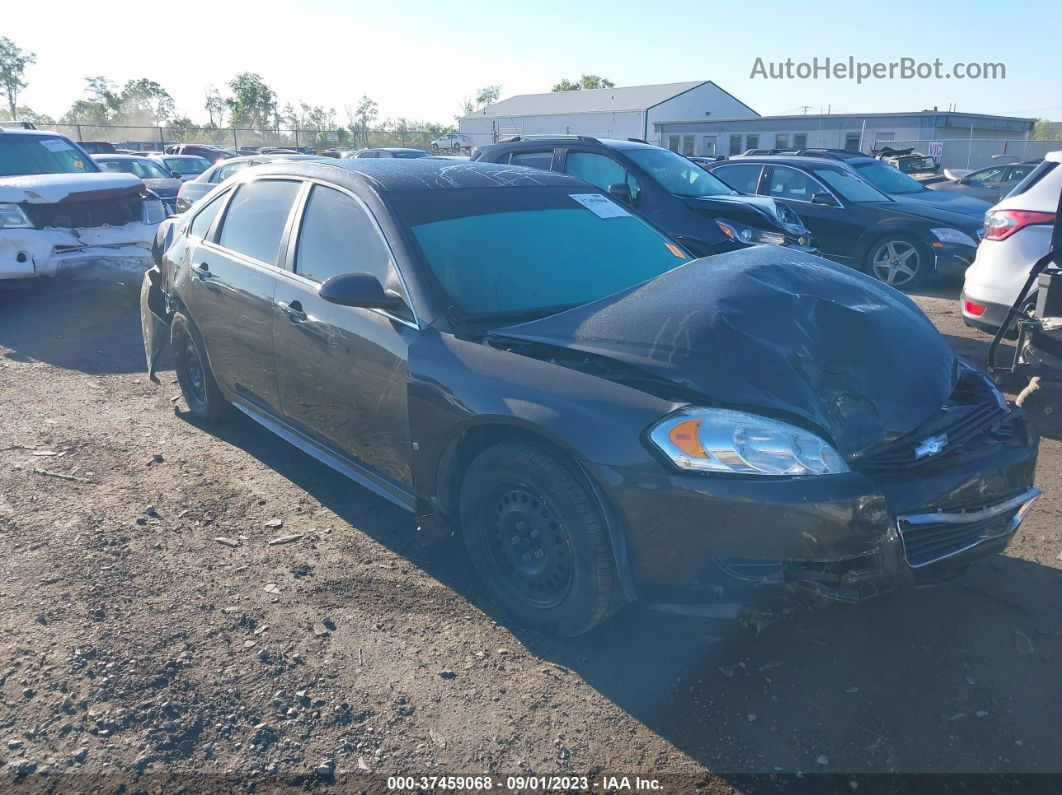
[452, 142]
[1017, 233]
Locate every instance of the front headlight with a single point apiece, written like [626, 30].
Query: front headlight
[948, 235]
[748, 234]
[721, 440]
[990, 385]
[13, 217]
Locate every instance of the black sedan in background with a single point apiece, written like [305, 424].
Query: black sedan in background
[900, 241]
[157, 179]
[699, 210]
[513, 353]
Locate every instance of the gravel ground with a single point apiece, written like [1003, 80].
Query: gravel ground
[211, 609]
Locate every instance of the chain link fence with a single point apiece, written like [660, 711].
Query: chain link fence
[974, 153]
[153, 139]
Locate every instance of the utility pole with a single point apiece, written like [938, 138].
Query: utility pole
[805, 108]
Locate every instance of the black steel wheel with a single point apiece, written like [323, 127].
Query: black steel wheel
[200, 389]
[535, 533]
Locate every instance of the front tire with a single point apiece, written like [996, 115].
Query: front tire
[536, 536]
[198, 385]
[899, 261]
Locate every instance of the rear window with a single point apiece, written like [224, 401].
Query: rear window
[36, 154]
[256, 216]
[1035, 176]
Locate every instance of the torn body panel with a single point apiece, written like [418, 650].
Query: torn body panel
[28, 253]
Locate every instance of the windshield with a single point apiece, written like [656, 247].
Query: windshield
[678, 175]
[888, 179]
[41, 155]
[850, 186]
[528, 252]
[144, 169]
[187, 166]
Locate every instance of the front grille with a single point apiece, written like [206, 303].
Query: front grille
[929, 538]
[970, 412]
[88, 214]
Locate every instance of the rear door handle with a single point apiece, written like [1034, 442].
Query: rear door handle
[293, 310]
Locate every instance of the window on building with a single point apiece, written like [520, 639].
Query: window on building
[800, 140]
[735, 144]
[708, 145]
[884, 136]
[752, 142]
[687, 145]
[851, 142]
[673, 142]
[781, 141]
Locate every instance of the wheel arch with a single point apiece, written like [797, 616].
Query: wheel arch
[468, 442]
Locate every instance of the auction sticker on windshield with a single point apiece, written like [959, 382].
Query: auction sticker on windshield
[56, 145]
[601, 206]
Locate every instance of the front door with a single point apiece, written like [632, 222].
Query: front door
[341, 370]
[836, 230]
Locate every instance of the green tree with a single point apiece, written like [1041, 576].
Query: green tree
[361, 118]
[13, 63]
[253, 103]
[144, 101]
[1044, 130]
[487, 95]
[584, 82]
[215, 105]
[24, 113]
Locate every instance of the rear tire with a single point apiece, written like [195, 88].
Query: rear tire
[536, 536]
[198, 385]
[899, 261]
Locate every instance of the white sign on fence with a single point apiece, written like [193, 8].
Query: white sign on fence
[333, 137]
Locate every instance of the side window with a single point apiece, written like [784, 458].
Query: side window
[542, 159]
[741, 177]
[227, 171]
[788, 183]
[1018, 173]
[204, 218]
[255, 219]
[338, 236]
[599, 171]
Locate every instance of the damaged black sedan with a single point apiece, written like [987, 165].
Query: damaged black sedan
[603, 418]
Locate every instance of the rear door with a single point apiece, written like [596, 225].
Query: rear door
[342, 370]
[234, 279]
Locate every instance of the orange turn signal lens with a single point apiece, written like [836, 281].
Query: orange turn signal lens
[686, 437]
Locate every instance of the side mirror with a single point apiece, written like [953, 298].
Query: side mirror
[621, 191]
[359, 289]
[825, 199]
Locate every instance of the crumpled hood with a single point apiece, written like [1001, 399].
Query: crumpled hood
[758, 205]
[777, 332]
[53, 188]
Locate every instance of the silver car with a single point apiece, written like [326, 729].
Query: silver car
[197, 188]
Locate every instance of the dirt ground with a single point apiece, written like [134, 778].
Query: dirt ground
[156, 634]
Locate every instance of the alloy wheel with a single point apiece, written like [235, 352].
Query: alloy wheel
[896, 262]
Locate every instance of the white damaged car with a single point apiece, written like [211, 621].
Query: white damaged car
[60, 213]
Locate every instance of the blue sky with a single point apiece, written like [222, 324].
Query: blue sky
[419, 58]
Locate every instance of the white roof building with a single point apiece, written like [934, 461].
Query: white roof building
[621, 112]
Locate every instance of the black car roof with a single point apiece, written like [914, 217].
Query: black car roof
[392, 174]
[561, 140]
[793, 160]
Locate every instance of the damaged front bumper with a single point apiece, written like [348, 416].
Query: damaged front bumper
[32, 253]
[848, 536]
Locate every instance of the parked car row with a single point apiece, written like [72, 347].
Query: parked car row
[523, 357]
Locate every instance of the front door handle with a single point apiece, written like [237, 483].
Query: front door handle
[203, 271]
[293, 310]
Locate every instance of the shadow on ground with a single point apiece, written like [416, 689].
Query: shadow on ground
[956, 678]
